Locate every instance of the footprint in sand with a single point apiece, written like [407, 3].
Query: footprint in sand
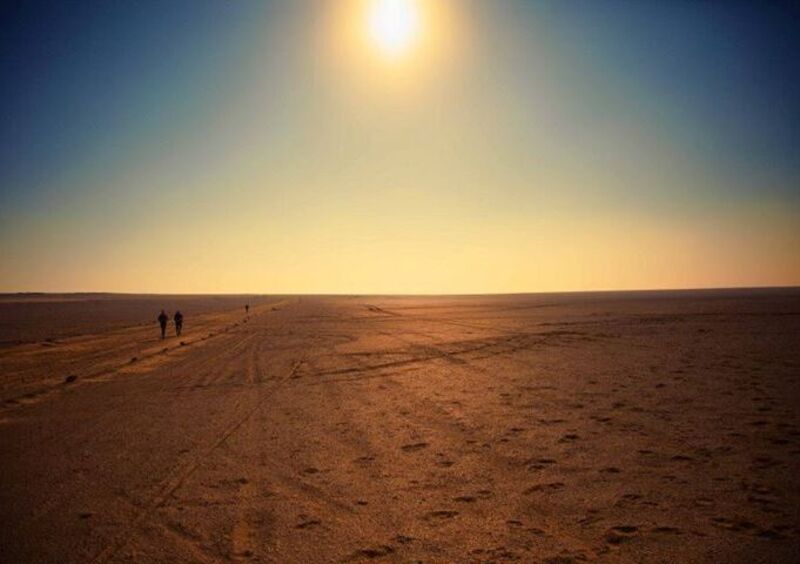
[496, 554]
[736, 524]
[564, 559]
[539, 464]
[610, 470]
[666, 530]
[620, 534]
[740, 525]
[372, 552]
[308, 523]
[590, 519]
[413, 447]
[601, 418]
[545, 488]
[551, 421]
[441, 514]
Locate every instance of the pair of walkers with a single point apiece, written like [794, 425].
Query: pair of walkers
[163, 318]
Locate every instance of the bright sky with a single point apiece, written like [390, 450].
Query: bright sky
[398, 146]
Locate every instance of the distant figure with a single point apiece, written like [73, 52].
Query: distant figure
[162, 320]
[246, 309]
[178, 323]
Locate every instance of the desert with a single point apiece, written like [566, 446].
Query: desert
[622, 426]
[412, 281]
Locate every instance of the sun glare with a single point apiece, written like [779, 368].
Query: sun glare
[394, 25]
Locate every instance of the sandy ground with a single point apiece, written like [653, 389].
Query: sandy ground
[26, 318]
[643, 427]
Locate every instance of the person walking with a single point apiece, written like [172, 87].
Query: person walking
[162, 320]
[178, 323]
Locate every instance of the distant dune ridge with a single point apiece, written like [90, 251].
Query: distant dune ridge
[626, 426]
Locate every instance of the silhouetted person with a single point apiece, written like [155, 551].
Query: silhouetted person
[247, 309]
[178, 323]
[162, 320]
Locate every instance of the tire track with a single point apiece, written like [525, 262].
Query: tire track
[178, 476]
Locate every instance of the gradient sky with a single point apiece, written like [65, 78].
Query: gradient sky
[218, 146]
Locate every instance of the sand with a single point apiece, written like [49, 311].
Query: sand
[26, 318]
[613, 427]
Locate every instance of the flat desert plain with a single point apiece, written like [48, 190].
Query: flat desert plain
[610, 427]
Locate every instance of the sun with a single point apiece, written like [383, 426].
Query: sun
[394, 26]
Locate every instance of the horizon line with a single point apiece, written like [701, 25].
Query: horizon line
[399, 294]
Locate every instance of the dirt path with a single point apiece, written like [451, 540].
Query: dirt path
[347, 429]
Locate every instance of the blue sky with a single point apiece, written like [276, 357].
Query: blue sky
[558, 122]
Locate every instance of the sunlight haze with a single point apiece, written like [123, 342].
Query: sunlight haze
[399, 146]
